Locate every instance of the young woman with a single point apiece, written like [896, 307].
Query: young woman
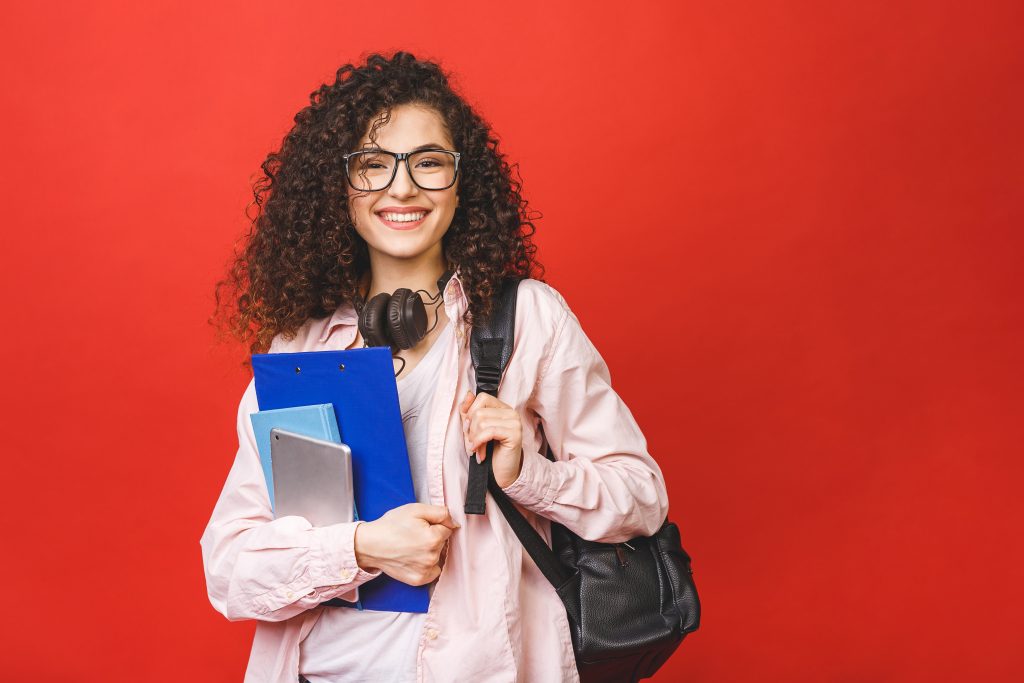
[390, 180]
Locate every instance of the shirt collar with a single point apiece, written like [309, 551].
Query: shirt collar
[449, 284]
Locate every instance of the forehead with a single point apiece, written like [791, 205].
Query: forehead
[409, 126]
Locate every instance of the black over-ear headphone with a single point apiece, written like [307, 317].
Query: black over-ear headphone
[397, 320]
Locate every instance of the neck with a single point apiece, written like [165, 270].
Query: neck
[387, 275]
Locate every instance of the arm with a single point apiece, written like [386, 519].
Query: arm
[604, 485]
[258, 567]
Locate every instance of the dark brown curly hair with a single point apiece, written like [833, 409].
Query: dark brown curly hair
[302, 256]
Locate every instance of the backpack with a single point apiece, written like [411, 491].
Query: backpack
[629, 605]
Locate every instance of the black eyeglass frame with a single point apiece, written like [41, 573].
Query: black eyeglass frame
[399, 157]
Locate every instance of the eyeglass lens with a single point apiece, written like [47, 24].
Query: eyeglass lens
[431, 170]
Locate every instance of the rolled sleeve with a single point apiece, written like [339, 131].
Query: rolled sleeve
[259, 567]
[327, 570]
[533, 487]
[337, 549]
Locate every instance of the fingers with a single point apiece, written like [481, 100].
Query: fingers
[480, 450]
[485, 419]
[449, 523]
[501, 419]
[486, 434]
[431, 574]
[413, 540]
[472, 402]
[492, 428]
[489, 417]
[441, 533]
[420, 576]
[434, 514]
[486, 413]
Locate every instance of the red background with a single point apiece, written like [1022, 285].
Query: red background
[806, 288]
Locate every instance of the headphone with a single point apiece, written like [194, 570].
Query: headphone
[397, 320]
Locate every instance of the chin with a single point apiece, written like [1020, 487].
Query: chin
[402, 251]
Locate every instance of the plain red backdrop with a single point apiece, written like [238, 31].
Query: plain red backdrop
[791, 228]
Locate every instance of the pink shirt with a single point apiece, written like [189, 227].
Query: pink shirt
[493, 617]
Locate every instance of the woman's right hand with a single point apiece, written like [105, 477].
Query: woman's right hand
[405, 543]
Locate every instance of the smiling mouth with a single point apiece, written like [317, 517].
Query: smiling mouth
[402, 221]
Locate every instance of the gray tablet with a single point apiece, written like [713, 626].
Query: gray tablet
[312, 478]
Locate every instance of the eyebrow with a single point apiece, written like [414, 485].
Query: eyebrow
[429, 145]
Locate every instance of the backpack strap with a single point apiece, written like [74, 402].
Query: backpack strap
[534, 544]
[490, 347]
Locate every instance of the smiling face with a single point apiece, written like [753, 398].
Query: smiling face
[402, 242]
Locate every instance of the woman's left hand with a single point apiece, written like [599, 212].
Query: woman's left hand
[485, 418]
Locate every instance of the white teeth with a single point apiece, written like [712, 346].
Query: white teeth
[403, 217]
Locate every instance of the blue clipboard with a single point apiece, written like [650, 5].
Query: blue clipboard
[360, 384]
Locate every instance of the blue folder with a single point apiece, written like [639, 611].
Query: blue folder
[360, 384]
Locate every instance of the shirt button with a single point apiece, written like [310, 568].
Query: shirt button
[289, 595]
[347, 575]
[431, 634]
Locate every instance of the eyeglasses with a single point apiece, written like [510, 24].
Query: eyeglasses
[374, 170]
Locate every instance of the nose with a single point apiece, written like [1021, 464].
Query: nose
[402, 185]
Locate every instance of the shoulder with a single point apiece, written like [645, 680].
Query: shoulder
[541, 314]
[305, 338]
[551, 322]
[544, 304]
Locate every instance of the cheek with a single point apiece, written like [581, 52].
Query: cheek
[359, 213]
[446, 212]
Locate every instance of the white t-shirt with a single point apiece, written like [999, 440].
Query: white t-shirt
[351, 646]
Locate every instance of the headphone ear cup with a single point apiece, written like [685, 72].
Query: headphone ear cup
[407, 318]
[373, 321]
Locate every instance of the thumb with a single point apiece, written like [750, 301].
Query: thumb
[437, 514]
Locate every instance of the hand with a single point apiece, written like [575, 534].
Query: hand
[405, 543]
[485, 418]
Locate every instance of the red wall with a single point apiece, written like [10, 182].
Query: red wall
[806, 290]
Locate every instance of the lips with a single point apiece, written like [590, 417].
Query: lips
[405, 224]
[402, 209]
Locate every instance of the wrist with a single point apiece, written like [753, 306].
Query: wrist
[515, 475]
[363, 545]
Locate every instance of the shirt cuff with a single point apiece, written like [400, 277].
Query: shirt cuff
[534, 488]
[337, 553]
[331, 572]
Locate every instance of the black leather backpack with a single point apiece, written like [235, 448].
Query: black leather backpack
[629, 604]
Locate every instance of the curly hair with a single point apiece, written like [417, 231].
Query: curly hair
[302, 256]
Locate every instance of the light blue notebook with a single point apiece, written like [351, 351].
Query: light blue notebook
[316, 420]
